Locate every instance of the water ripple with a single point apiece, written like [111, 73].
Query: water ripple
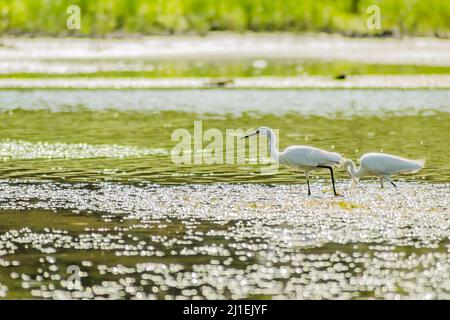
[19, 149]
[224, 241]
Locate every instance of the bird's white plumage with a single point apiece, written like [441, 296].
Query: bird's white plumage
[305, 156]
[382, 163]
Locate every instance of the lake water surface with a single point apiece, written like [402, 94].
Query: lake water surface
[88, 183]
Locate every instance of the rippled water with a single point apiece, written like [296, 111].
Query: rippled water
[126, 135]
[88, 183]
[224, 241]
[224, 102]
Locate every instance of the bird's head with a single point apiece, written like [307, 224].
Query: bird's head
[346, 163]
[263, 131]
[349, 166]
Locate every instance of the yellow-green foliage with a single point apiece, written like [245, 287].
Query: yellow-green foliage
[347, 205]
[418, 17]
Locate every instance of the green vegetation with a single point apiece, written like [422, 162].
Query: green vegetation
[103, 17]
[243, 68]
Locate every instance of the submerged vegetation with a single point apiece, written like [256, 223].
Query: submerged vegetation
[103, 17]
[179, 68]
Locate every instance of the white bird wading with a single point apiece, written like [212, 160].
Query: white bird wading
[382, 165]
[302, 158]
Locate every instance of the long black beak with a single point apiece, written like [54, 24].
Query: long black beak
[249, 135]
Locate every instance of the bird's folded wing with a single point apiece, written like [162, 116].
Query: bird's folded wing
[310, 157]
[392, 164]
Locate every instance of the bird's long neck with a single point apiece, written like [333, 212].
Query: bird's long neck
[273, 146]
[350, 166]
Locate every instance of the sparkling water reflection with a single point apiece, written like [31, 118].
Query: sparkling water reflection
[89, 185]
[224, 241]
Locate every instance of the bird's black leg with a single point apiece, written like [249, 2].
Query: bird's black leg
[389, 179]
[332, 178]
[307, 182]
[392, 182]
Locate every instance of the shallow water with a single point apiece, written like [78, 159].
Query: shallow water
[223, 102]
[127, 135]
[224, 241]
[88, 183]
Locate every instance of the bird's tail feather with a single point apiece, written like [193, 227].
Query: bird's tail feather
[337, 160]
[421, 163]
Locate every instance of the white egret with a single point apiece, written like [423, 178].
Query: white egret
[382, 165]
[303, 158]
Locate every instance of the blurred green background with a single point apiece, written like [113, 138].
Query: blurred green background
[105, 17]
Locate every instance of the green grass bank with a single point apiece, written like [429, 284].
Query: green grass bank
[105, 17]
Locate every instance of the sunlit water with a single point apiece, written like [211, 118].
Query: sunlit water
[224, 241]
[88, 182]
